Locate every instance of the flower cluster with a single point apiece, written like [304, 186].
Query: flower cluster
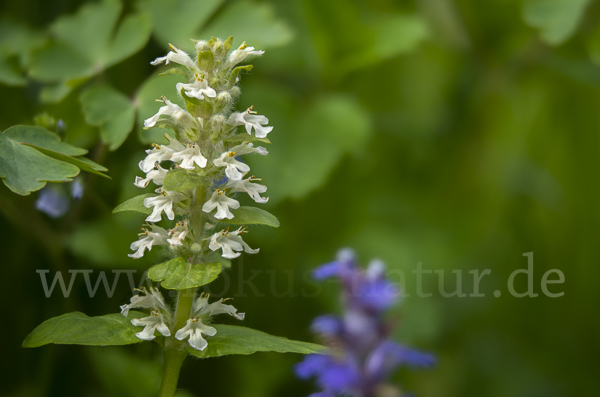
[161, 317]
[362, 355]
[197, 174]
[201, 168]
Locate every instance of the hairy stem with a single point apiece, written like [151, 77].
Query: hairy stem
[174, 351]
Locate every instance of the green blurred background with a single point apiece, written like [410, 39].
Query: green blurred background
[456, 133]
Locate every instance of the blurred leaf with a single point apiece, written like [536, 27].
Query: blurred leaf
[55, 92]
[252, 216]
[88, 31]
[78, 329]
[10, 72]
[131, 36]
[111, 110]
[135, 204]
[152, 89]
[303, 158]
[254, 23]
[176, 21]
[57, 61]
[231, 339]
[179, 274]
[181, 179]
[557, 20]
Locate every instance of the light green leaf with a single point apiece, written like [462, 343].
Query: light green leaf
[25, 169]
[176, 21]
[55, 93]
[56, 61]
[243, 137]
[41, 137]
[10, 72]
[255, 23]
[304, 158]
[135, 204]
[557, 20]
[179, 274]
[252, 216]
[231, 339]
[132, 35]
[88, 31]
[78, 329]
[111, 110]
[180, 179]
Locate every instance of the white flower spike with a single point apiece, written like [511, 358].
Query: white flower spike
[160, 153]
[246, 185]
[146, 300]
[155, 235]
[172, 110]
[241, 54]
[222, 203]
[250, 120]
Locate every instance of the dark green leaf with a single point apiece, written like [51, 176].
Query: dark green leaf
[252, 216]
[231, 339]
[180, 179]
[78, 329]
[179, 274]
[41, 137]
[80, 162]
[135, 204]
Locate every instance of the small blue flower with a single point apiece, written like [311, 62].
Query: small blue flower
[52, 202]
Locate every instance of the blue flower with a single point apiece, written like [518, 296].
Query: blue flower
[52, 202]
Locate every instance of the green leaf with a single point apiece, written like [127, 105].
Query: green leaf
[557, 20]
[235, 72]
[78, 329]
[180, 179]
[179, 274]
[252, 216]
[57, 61]
[232, 339]
[246, 138]
[80, 162]
[255, 23]
[135, 204]
[25, 169]
[132, 35]
[10, 72]
[41, 137]
[174, 70]
[176, 21]
[111, 110]
[89, 30]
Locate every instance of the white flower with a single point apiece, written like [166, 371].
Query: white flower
[188, 156]
[194, 329]
[229, 242]
[160, 153]
[235, 169]
[222, 203]
[250, 119]
[201, 308]
[156, 175]
[146, 300]
[241, 54]
[180, 116]
[163, 202]
[177, 56]
[198, 89]
[246, 185]
[178, 233]
[154, 236]
[154, 322]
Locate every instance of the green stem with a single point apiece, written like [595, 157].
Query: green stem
[174, 350]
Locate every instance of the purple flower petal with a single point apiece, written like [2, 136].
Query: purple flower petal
[52, 203]
[327, 325]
